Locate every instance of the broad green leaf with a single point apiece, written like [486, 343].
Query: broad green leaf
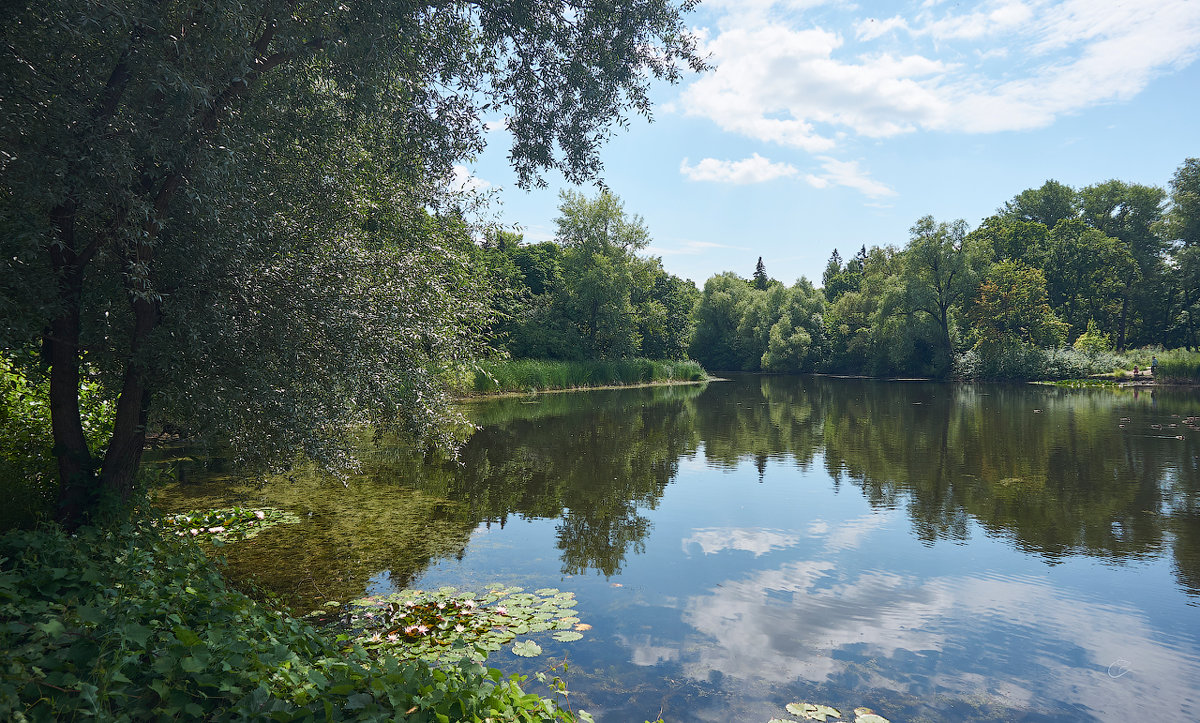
[527, 649]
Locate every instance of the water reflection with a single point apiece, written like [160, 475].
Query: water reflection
[939, 551]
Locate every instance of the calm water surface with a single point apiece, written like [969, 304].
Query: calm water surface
[932, 551]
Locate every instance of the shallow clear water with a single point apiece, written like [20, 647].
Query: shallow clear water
[931, 551]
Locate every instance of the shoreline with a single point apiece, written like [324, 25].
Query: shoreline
[482, 396]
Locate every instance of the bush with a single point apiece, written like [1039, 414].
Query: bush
[1093, 341]
[130, 625]
[28, 469]
[1023, 362]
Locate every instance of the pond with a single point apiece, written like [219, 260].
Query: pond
[931, 551]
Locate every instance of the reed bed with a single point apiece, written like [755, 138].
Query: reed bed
[526, 375]
[1178, 366]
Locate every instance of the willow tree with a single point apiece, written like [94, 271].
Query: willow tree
[237, 212]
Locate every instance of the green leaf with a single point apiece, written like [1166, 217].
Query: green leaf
[567, 636]
[813, 711]
[185, 636]
[136, 633]
[52, 628]
[527, 649]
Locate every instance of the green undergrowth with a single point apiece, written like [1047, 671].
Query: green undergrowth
[524, 375]
[28, 468]
[134, 624]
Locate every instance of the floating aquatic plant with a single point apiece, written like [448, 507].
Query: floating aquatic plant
[447, 624]
[819, 712]
[813, 711]
[229, 523]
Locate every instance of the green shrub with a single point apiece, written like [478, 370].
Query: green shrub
[130, 624]
[1023, 362]
[1093, 341]
[28, 469]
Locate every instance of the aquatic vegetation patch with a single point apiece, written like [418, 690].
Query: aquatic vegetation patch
[447, 624]
[1084, 383]
[820, 712]
[229, 523]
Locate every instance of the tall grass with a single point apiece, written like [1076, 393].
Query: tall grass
[1178, 366]
[524, 375]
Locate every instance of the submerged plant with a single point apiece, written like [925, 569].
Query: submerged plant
[448, 625]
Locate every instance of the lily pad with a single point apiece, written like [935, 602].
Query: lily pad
[527, 649]
[227, 524]
[567, 636]
[813, 711]
[870, 718]
[448, 624]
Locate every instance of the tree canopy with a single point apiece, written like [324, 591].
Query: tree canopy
[216, 208]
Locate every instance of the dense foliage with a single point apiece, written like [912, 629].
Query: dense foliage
[238, 214]
[129, 625]
[587, 294]
[1110, 266]
[763, 326]
[27, 466]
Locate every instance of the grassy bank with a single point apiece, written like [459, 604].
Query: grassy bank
[126, 624]
[528, 375]
[1178, 367]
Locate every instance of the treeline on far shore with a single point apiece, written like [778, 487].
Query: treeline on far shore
[1060, 282]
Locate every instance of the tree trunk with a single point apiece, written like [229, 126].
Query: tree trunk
[119, 471]
[1121, 323]
[76, 469]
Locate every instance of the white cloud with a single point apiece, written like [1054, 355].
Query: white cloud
[793, 78]
[755, 169]
[776, 84]
[789, 624]
[465, 182]
[848, 174]
[872, 28]
[713, 540]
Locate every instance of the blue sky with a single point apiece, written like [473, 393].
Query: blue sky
[828, 124]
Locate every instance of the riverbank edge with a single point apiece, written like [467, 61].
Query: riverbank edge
[124, 621]
[484, 396]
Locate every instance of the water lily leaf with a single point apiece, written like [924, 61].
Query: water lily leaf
[813, 711]
[566, 636]
[870, 718]
[547, 591]
[527, 649]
